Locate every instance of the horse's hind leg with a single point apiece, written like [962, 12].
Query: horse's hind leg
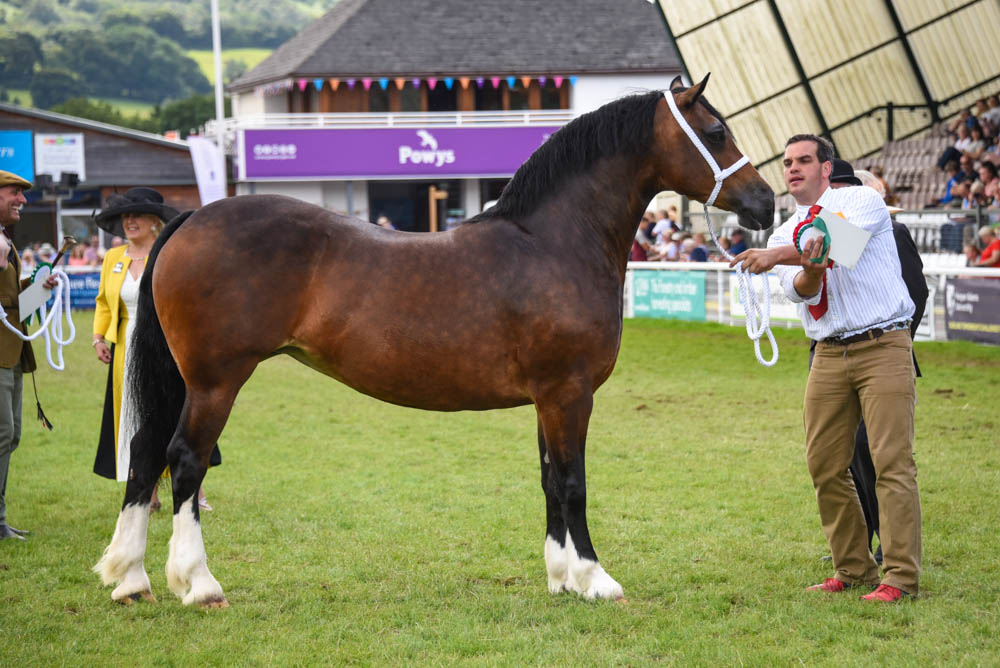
[564, 418]
[123, 558]
[202, 419]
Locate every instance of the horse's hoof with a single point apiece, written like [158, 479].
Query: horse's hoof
[215, 603]
[136, 597]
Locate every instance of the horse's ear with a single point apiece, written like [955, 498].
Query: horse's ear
[676, 83]
[691, 95]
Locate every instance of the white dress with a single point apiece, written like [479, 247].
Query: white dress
[126, 426]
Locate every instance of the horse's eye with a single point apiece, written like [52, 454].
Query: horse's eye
[716, 136]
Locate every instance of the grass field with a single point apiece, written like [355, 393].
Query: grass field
[350, 531]
[250, 57]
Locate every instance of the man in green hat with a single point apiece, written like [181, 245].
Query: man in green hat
[16, 356]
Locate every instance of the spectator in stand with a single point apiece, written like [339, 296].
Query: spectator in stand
[699, 252]
[992, 113]
[76, 256]
[988, 177]
[976, 145]
[45, 253]
[725, 246]
[990, 256]
[669, 249]
[27, 262]
[971, 252]
[92, 252]
[664, 226]
[738, 240]
[642, 244]
[962, 119]
[954, 176]
[383, 221]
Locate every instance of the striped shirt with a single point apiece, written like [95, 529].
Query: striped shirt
[872, 294]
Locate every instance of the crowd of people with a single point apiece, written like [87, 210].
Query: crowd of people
[971, 162]
[660, 237]
[83, 254]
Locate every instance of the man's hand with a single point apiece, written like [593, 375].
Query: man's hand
[760, 260]
[809, 281]
[51, 283]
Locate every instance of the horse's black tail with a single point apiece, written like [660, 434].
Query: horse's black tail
[156, 388]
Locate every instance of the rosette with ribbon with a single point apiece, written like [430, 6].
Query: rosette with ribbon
[812, 228]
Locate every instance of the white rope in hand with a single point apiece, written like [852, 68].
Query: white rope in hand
[758, 320]
[51, 326]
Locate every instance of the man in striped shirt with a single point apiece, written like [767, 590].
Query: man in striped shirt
[863, 367]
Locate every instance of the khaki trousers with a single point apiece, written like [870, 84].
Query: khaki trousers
[874, 379]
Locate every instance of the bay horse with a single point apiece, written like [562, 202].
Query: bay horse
[521, 304]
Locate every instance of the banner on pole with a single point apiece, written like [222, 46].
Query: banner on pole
[209, 169]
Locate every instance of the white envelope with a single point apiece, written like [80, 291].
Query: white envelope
[847, 241]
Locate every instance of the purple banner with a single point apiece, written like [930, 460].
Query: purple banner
[389, 152]
[972, 309]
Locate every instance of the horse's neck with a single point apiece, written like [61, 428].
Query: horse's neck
[598, 213]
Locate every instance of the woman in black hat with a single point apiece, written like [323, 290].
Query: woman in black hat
[139, 215]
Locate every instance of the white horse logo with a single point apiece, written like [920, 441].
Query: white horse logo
[427, 139]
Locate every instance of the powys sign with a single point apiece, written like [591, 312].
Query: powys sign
[387, 152]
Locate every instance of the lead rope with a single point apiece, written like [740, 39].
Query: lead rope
[758, 320]
[51, 327]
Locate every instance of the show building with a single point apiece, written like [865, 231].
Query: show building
[421, 111]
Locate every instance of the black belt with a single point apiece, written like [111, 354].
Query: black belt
[869, 334]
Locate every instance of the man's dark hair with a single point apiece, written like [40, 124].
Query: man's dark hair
[824, 149]
[990, 167]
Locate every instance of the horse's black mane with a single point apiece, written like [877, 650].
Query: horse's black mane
[622, 127]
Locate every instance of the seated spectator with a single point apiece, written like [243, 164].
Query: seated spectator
[92, 252]
[992, 113]
[669, 249]
[664, 226]
[700, 251]
[739, 243]
[76, 256]
[990, 256]
[46, 253]
[27, 261]
[988, 177]
[383, 221]
[974, 196]
[642, 244]
[976, 145]
[954, 177]
[960, 120]
[687, 247]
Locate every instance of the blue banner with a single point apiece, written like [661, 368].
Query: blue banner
[17, 153]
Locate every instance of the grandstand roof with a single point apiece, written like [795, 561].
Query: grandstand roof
[445, 37]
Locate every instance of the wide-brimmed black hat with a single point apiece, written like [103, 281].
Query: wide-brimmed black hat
[136, 200]
[843, 173]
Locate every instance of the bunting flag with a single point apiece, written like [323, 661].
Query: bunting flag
[495, 81]
[279, 87]
[334, 83]
[350, 83]
[541, 81]
[557, 81]
[416, 83]
[449, 82]
[526, 82]
[511, 82]
[480, 81]
[432, 82]
[366, 82]
[302, 84]
[383, 82]
[464, 82]
[318, 83]
[573, 79]
[400, 82]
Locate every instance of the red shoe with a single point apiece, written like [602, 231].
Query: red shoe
[886, 594]
[831, 585]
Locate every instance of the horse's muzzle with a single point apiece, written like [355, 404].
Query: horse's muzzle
[756, 210]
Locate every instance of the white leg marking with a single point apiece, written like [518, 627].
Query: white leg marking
[123, 557]
[588, 578]
[187, 568]
[556, 564]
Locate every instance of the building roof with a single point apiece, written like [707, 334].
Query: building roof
[114, 155]
[377, 38]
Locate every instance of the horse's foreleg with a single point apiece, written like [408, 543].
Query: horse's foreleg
[556, 557]
[123, 558]
[564, 423]
[202, 420]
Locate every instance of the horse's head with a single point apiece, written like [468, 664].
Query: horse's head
[690, 172]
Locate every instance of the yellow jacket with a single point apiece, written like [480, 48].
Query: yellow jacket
[106, 315]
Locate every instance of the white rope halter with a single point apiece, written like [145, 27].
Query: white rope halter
[51, 326]
[758, 320]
